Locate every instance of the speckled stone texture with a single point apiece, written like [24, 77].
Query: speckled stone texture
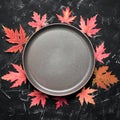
[14, 103]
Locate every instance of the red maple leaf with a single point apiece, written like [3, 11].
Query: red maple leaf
[100, 53]
[16, 77]
[18, 39]
[60, 102]
[67, 17]
[89, 26]
[103, 78]
[38, 22]
[38, 97]
[86, 95]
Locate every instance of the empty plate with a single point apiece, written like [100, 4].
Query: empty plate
[58, 59]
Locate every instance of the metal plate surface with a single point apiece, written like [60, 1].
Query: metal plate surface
[58, 59]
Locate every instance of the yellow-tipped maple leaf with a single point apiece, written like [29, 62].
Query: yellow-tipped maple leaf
[38, 97]
[67, 16]
[103, 78]
[17, 38]
[86, 96]
[89, 26]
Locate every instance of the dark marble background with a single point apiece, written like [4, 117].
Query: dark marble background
[14, 103]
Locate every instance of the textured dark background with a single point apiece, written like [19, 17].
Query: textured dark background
[14, 103]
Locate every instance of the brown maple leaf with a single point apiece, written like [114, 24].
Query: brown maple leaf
[16, 77]
[38, 97]
[18, 39]
[86, 95]
[103, 78]
[60, 102]
[67, 17]
[100, 53]
[89, 26]
[38, 22]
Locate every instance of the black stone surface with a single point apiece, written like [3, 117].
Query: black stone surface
[14, 103]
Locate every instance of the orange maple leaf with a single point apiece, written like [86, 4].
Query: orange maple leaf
[60, 102]
[18, 39]
[38, 22]
[37, 98]
[88, 26]
[84, 95]
[67, 17]
[104, 79]
[16, 77]
[100, 53]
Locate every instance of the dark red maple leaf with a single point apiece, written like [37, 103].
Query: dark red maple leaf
[89, 26]
[38, 22]
[67, 17]
[17, 38]
[38, 97]
[60, 102]
[85, 95]
[16, 77]
[100, 53]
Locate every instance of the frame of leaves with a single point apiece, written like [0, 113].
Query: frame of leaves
[17, 38]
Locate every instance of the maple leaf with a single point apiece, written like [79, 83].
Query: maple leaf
[67, 17]
[38, 22]
[38, 97]
[60, 102]
[104, 79]
[100, 53]
[18, 39]
[86, 95]
[17, 78]
[88, 26]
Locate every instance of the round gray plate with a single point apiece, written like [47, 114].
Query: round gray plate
[58, 59]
